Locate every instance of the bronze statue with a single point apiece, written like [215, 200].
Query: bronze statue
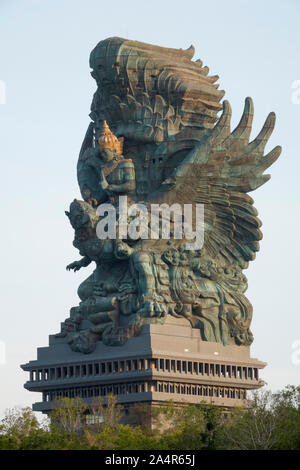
[155, 138]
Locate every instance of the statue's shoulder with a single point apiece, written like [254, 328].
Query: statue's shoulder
[126, 162]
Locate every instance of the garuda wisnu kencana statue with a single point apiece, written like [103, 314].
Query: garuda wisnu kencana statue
[155, 144]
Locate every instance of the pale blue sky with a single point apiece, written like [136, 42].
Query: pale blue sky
[44, 50]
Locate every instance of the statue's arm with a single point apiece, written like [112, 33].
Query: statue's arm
[76, 265]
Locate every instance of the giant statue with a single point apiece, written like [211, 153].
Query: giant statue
[156, 147]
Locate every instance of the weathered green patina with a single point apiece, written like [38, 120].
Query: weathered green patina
[163, 143]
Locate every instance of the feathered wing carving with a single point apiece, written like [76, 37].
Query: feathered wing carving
[149, 93]
[165, 106]
[219, 172]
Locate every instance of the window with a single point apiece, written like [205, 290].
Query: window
[94, 419]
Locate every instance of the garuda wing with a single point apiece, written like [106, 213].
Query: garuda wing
[219, 172]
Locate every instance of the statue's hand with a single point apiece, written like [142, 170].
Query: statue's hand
[75, 266]
[103, 182]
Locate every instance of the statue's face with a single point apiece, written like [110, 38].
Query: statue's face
[107, 154]
[77, 215]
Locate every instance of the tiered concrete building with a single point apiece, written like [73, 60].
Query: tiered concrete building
[166, 362]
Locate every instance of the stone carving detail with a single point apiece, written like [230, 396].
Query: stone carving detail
[155, 137]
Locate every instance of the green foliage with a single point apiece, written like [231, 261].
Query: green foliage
[108, 414]
[272, 422]
[18, 421]
[252, 428]
[68, 414]
[287, 407]
[194, 427]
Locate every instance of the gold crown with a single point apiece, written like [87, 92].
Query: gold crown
[108, 140]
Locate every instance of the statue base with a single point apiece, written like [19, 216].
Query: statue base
[166, 362]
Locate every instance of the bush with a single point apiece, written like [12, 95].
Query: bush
[272, 422]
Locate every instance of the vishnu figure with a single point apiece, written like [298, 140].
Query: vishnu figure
[105, 173]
